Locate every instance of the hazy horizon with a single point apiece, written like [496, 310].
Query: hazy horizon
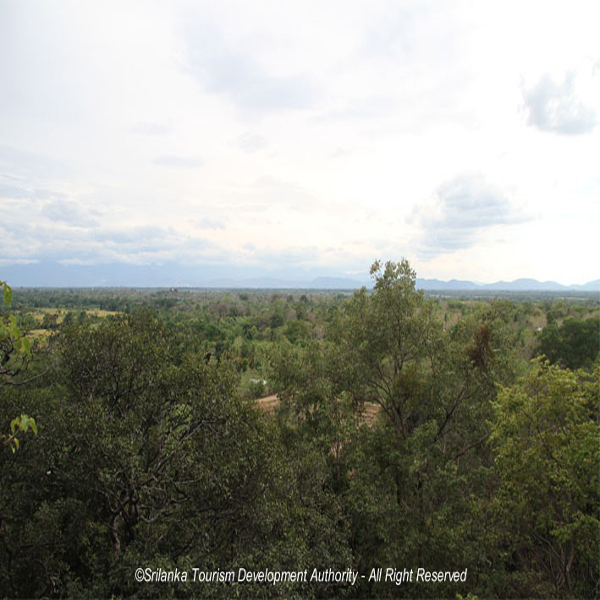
[56, 275]
[304, 137]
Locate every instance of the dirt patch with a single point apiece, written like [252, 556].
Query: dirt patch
[367, 415]
[268, 403]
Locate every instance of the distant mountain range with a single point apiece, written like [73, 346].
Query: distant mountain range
[55, 274]
[519, 285]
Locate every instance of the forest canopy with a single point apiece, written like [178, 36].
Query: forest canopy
[391, 444]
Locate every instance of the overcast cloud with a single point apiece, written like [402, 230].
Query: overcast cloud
[557, 108]
[178, 162]
[461, 212]
[232, 72]
[320, 135]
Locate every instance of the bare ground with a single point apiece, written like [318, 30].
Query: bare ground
[367, 415]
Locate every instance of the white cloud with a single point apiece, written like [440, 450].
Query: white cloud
[460, 211]
[71, 213]
[557, 108]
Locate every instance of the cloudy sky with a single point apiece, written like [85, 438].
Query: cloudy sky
[314, 135]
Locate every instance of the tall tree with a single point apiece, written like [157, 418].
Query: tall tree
[408, 494]
[545, 437]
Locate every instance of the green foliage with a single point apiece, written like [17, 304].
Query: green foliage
[546, 442]
[574, 344]
[162, 464]
[15, 349]
[401, 439]
[7, 291]
[403, 478]
[18, 425]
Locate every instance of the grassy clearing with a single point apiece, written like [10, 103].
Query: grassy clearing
[39, 313]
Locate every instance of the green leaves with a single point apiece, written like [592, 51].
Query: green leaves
[545, 439]
[14, 347]
[18, 425]
[7, 292]
[12, 343]
[574, 344]
[14, 351]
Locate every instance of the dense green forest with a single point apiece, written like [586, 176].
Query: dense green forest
[381, 443]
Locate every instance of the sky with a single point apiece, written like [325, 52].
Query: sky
[312, 136]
